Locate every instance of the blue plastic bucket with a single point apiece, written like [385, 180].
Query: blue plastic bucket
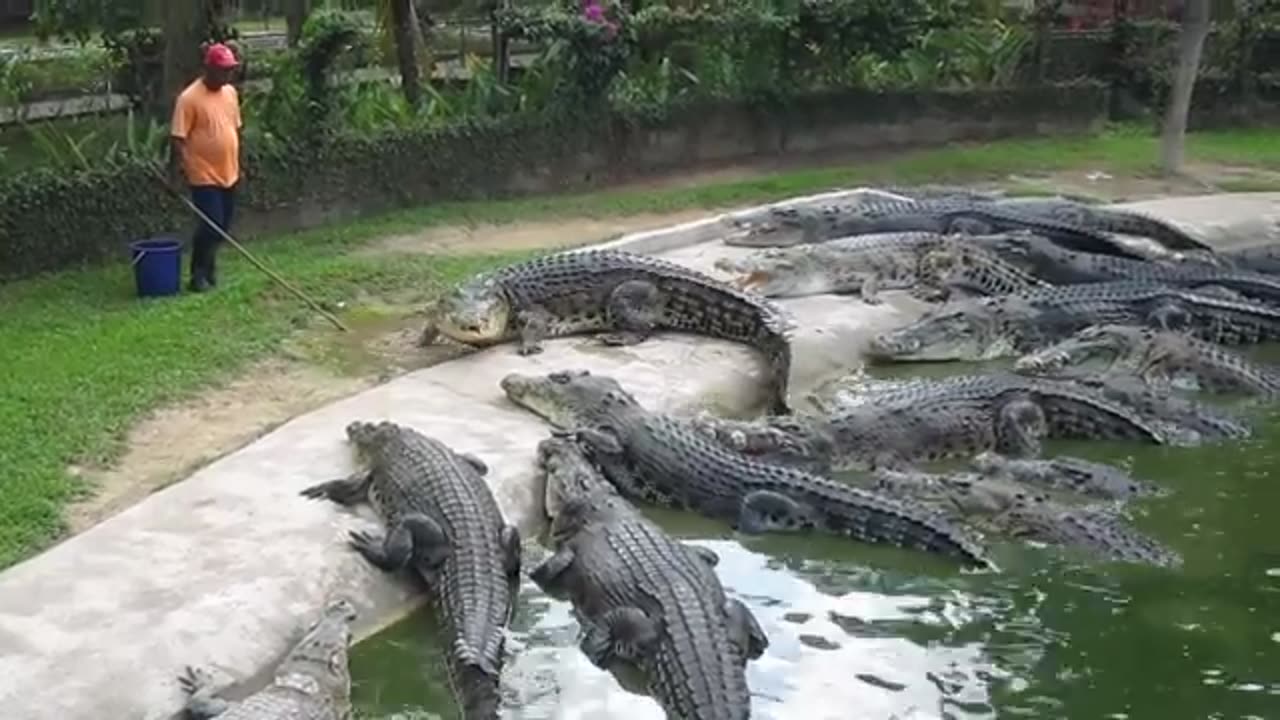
[157, 266]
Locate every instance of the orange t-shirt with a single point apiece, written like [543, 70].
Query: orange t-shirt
[209, 122]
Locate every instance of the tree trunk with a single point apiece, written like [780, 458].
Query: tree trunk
[404, 27]
[296, 13]
[501, 47]
[1195, 28]
[185, 26]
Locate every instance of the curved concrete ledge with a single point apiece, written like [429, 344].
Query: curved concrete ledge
[226, 567]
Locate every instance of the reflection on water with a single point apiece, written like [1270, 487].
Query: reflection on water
[869, 632]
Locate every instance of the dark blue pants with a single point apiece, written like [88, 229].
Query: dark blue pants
[219, 204]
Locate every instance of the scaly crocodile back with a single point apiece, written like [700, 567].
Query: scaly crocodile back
[574, 287]
[416, 474]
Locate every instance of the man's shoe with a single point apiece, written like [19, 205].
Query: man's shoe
[199, 285]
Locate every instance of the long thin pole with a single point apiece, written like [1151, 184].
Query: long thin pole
[249, 256]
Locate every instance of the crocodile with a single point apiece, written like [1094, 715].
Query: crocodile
[784, 223]
[444, 524]
[631, 295]
[937, 216]
[863, 264]
[313, 682]
[659, 459]
[931, 266]
[1157, 356]
[1011, 325]
[1061, 266]
[1072, 474]
[652, 609]
[1006, 508]
[936, 419]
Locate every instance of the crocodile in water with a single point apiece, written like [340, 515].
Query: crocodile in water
[661, 459]
[1157, 356]
[313, 682]
[652, 610]
[1013, 325]
[1013, 510]
[627, 294]
[935, 419]
[442, 522]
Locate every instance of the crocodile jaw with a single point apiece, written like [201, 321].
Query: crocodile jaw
[475, 313]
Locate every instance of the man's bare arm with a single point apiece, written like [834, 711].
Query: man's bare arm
[177, 146]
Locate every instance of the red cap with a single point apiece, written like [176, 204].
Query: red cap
[220, 56]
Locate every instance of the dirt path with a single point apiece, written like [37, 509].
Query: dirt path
[175, 441]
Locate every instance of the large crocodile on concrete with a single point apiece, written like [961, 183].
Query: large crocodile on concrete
[1160, 357]
[1061, 266]
[938, 418]
[660, 459]
[929, 265]
[443, 523]
[1010, 509]
[652, 610]
[627, 294]
[864, 264]
[1012, 325]
[313, 682]
[938, 216]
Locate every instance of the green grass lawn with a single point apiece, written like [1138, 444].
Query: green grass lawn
[81, 360]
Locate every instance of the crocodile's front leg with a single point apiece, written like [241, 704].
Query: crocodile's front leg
[869, 290]
[765, 511]
[552, 575]
[347, 491]
[745, 630]
[414, 538]
[633, 311]
[533, 325]
[202, 701]
[621, 634]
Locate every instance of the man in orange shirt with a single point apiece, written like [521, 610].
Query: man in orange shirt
[206, 145]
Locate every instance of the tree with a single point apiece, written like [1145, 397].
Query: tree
[187, 27]
[1195, 28]
[404, 28]
[295, 14]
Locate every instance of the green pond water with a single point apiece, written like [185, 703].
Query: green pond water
[866, 632]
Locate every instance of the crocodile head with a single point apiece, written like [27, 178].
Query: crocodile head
[780, 228]
[792, 274]
[965, 331]
[570, 479]
[321, 656]
[364, 434]
[477, 312]
[567, 399]
[1108, 343]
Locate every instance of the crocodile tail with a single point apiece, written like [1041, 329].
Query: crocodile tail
[476, 691]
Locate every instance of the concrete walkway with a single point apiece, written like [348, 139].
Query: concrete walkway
[226, 567]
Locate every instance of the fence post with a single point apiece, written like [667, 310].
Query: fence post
[501, 45]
